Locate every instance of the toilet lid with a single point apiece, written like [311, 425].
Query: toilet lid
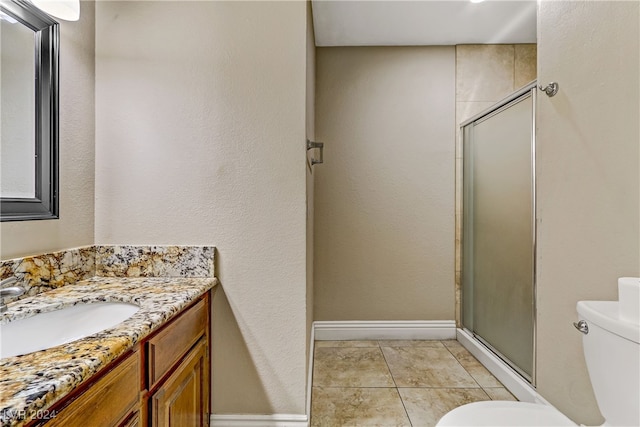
[503, 413]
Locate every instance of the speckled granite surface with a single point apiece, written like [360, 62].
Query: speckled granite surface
[155, 261]
[32, 383]
[44, 272]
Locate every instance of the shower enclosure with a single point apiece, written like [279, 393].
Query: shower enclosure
[498, 235]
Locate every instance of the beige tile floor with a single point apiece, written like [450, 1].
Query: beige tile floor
[395, 383]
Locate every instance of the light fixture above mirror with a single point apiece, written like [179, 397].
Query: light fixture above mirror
[69, 10]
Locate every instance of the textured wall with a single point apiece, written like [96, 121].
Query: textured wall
[77, 130]
[310, 128]
[384, 233]
[200, 140]
[588, 181]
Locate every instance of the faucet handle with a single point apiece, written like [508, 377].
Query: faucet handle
[8, 281]
[13, 291]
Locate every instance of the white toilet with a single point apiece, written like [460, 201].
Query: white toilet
[612, 352]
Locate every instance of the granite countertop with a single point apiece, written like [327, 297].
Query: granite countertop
[31, 383]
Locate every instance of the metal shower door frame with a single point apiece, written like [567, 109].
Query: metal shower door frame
[526, 91]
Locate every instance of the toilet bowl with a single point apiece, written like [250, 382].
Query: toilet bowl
[611, 345]
[503, 413]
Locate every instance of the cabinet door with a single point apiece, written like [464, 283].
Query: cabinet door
[132, 421]
[182, 400]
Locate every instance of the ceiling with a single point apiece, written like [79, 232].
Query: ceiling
[425, 22]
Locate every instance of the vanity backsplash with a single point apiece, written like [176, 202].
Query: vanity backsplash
[45, 272]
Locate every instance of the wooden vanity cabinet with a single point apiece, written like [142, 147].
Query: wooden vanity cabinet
[133, 421]
[183, 398]
[110, 401]
[164, 382]
[178, 370]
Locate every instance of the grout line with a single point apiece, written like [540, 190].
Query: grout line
[396, 384]
[380, 387]
[477, 382]
[414, 387]
[380, 347]
[465, 369]
[404, 406]
[388, 367]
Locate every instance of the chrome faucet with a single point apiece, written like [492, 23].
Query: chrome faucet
[8, 292]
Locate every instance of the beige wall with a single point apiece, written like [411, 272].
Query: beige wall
[77, 129]
[384, 198]
[588, 181]
[200, 140]
[310, 128]
[485, 74]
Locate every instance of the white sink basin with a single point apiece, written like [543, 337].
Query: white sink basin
[46, 330]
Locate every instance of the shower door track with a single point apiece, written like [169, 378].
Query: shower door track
[499, 355]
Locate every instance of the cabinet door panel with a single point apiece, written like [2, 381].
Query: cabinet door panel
[182, 400]
[132, 421]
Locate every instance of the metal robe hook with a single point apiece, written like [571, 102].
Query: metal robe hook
[551, 89]
[312, 145]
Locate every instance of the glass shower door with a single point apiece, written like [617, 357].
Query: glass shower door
[498, 232]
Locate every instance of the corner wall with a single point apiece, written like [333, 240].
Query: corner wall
[384, 197]
[588, 181]
[77, 132]
[200, 139]
[310, 129]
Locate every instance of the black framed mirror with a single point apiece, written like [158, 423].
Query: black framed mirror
[28, 113]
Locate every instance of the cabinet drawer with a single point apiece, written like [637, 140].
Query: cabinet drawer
[106, 402]
[167, 347]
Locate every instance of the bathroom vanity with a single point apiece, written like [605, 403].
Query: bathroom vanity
[152, 369]
[162, 381]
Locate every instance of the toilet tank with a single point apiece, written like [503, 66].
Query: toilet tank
[612, 352]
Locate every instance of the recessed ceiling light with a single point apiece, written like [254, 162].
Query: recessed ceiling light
[476, 1]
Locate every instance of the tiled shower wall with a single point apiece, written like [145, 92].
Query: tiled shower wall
[485, 74]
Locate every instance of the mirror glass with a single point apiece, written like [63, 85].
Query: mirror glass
[17, 109]
[28, 112]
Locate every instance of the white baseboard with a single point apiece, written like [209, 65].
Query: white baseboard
[385, 330]
[520, 388]
[275, 420]
[312, 339]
